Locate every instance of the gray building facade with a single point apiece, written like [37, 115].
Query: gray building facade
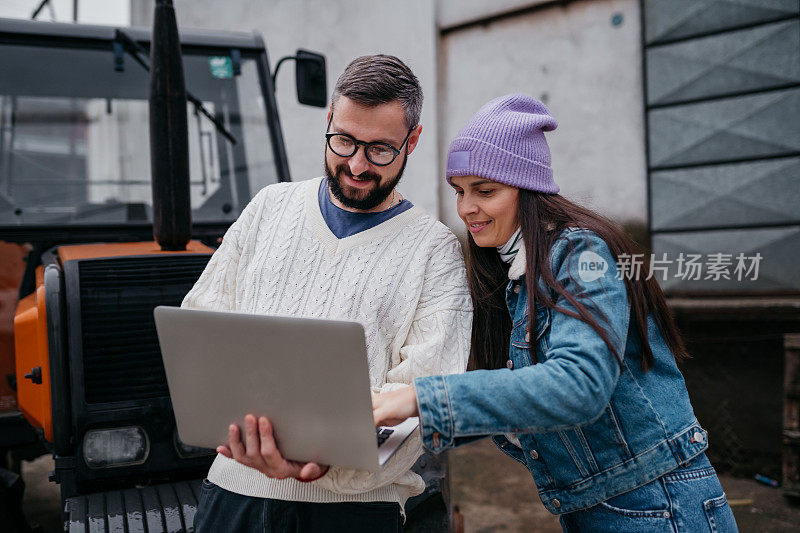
[723, 132]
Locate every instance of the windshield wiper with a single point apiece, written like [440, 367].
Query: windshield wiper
[136, 51]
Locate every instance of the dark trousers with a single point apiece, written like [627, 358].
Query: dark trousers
[223, 511]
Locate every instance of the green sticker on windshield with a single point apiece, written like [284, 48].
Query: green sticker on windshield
[221, 67]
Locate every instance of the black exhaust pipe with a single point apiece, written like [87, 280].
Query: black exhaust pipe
[169, 139]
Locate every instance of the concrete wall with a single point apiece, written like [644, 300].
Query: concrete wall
[582, 58]
[455, 12]
[342, 30]
[584, 62]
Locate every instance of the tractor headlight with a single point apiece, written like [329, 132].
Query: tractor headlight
[107, 448]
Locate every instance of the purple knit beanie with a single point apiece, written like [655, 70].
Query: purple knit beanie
[505, 142]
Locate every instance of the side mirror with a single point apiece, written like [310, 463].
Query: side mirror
[312, 79]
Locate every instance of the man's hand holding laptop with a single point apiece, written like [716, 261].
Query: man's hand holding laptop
[259, 451]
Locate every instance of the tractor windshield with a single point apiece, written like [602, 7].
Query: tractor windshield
[74, 139]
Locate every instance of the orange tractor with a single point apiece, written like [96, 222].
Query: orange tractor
[96, 125]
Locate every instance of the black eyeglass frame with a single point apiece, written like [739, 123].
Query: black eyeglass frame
[366, 145]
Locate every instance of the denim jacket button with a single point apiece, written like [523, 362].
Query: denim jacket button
[516, 289]
[697, 437]
[510, 364]
[534, 454]
[556, 503]
[528, 337]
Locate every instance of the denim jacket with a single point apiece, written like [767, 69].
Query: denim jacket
[589, 428]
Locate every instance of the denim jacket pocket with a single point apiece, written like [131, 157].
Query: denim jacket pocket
[719, 514]
[520, 343]
[573, 453]
[520, 335]
[650, 501]
[634, 513]
[607, 446]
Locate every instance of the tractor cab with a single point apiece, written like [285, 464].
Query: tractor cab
[74, 131]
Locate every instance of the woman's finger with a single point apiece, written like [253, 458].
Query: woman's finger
[224, 450]
[392, 408]
[388, 421]
[378, 417]
[383, 414]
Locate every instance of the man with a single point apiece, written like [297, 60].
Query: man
[344, 246]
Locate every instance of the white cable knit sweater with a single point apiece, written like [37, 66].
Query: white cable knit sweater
[403, 279]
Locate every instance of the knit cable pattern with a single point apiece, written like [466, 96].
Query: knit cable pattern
[403, 280]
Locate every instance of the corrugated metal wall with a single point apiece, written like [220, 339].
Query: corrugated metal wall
[722, 101]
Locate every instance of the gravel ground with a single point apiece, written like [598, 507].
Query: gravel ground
[493, 492]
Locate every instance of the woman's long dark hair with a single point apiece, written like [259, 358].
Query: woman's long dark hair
[543, 217]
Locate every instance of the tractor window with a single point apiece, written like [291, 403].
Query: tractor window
[74, 138]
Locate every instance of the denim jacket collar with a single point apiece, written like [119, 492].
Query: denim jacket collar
[517, 268]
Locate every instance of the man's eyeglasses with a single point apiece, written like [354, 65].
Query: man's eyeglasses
[378, 153]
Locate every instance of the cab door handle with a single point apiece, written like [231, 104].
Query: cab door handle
[35, 375]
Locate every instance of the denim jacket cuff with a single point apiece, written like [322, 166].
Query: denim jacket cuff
[435, 418]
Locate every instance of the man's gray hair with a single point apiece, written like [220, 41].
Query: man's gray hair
[380, 79]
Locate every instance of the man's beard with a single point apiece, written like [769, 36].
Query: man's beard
[355, 198]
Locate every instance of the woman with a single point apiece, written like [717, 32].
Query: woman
[577, 377]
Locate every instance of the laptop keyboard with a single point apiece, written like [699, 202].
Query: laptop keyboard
[383, 434]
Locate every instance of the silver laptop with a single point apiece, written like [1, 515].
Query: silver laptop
[309, 377]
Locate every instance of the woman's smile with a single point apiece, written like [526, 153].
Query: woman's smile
[475, 227]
